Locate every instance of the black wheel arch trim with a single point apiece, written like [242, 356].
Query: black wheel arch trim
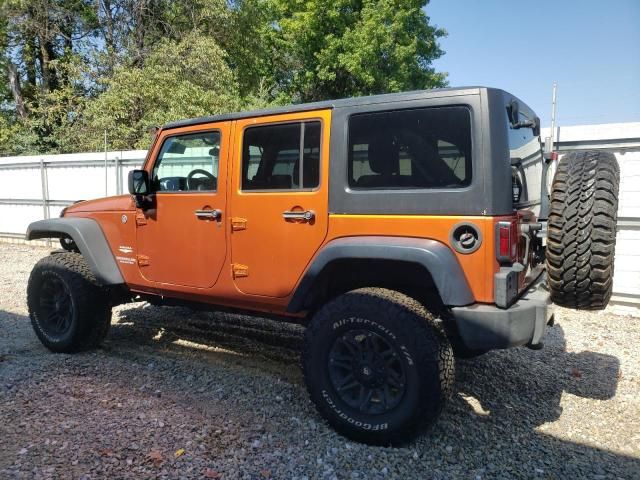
[436, 257]
[89, 238]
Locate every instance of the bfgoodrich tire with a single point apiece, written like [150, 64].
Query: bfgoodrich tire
[69, 312]
[582, 230]
[376, 366]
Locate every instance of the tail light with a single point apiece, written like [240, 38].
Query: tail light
[507, 241]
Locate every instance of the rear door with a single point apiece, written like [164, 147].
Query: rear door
[279, 200]
[181, 238]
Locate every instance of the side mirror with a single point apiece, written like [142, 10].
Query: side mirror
[536, 127]
[513, 110]
[139, 182]
[140, 187]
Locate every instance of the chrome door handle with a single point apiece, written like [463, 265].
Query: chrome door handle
[209, 214]
[305, 216]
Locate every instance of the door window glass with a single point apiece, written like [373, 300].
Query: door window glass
[523, 144]
[281, 157]
[188, 163]
[406, 149]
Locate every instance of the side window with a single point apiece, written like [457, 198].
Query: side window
[408, 149]
[188, 163]
[281, 157]
[523, 144]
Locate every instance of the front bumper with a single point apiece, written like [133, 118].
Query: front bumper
[486, 327]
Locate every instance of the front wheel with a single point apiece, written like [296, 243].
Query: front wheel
[69, 312]
[376, 365]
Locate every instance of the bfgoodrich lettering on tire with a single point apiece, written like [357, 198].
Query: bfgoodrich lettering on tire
[69, 312]
[582, 229]
[377, 367]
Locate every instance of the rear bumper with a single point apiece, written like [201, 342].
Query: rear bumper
[486, 327]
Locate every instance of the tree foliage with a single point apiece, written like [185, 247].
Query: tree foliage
[355, 47]
[178, 80]
[71, 69]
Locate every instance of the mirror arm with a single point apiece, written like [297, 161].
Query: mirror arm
[144, 202]
[527, 124]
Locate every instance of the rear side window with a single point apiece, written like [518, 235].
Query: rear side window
[281, 157]
[410, 149]
[526, 174]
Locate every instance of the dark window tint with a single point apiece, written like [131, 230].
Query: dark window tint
[404, 149]
[522, 137]
[188, 163]
[281, 157]
[523, 144]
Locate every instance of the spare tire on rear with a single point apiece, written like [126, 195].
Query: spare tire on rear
[582, 230]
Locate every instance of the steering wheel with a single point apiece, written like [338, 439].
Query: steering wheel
[199, 171]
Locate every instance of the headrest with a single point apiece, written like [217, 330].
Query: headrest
[280, 182]
[384, 156]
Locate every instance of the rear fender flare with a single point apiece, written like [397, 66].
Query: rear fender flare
[88, 236]
[436, 257]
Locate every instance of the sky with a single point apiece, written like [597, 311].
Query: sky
[591, 48]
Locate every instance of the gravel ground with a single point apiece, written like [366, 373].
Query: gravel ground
[181, 394]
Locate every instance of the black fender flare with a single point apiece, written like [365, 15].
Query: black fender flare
[91, 242]
[436, 257]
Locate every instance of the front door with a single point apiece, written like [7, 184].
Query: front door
[181, 238]
[279, 200]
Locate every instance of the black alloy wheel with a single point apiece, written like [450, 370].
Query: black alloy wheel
[377, 365]
[69, 311]
[366, 372]
[56, 306]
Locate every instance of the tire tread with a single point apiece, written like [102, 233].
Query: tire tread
[94, 310]
[430, 342]
[582, 230]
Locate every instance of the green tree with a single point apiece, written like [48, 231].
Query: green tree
[70, 69]
[355, 47]
[179, 80]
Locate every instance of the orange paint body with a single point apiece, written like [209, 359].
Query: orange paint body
[252, 257]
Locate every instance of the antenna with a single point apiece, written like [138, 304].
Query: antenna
[553, 116]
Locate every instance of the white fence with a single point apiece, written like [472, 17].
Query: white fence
[36, 187]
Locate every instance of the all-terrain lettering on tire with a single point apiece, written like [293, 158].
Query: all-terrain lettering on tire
[376, 365]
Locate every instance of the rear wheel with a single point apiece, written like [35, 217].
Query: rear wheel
[377, 367]
[69, 311]
[582, 230]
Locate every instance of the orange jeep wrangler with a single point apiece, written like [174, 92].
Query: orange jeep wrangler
[401, 229]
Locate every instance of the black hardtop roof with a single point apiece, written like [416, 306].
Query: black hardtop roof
[345, 102]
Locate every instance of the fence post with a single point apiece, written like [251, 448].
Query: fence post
[106, 167]
[44, 182]
[117, 174]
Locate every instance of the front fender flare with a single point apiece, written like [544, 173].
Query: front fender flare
[89, 238]
[434, 256]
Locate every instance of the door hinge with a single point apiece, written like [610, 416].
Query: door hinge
[238, 223]
[141, 219]
[239, 270]
[143, 260]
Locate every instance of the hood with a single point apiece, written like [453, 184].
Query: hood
[110, 204]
